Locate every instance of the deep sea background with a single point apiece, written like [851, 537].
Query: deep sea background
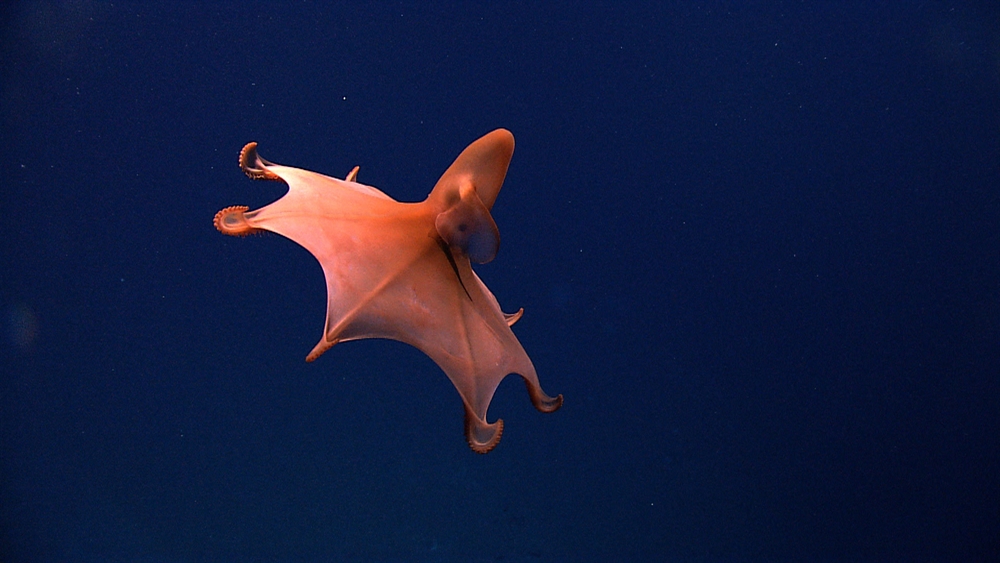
[757, 245]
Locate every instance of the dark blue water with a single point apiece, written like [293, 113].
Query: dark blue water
[758, 249]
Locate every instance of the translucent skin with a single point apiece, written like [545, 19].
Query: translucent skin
[403, 270]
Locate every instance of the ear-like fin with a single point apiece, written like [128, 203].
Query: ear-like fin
[483, 164]
[468, 226]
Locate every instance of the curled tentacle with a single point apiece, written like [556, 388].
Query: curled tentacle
[254, 165]
[540, 400]
[482, 437]
[232, 221]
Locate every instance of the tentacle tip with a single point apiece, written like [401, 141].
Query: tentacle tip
[513, 317]
[320, 348]
[352, 176]
[248, 158]
[551, 405]
[541, 401]
[253, 165]
[482, 437]
[232, 221]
